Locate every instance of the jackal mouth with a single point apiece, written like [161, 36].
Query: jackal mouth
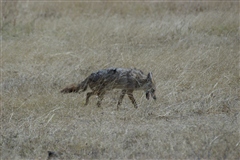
[147, 95]
[152, 95]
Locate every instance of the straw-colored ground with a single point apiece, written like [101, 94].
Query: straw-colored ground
[192, 49]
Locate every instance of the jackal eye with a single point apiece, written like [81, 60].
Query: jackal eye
[152, 90]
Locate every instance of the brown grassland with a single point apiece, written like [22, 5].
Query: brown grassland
[192, 49]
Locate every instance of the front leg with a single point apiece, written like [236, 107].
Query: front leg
[130, 95]
[89, 94]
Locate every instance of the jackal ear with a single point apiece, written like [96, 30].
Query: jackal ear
[149, 76]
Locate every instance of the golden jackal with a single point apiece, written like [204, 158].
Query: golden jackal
[116, 78]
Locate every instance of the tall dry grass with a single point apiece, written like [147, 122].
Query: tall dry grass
[191, 48]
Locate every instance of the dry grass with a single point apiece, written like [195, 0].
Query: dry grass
[191, 48]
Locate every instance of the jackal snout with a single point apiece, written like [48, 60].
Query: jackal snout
[152, 93]
[151, 88]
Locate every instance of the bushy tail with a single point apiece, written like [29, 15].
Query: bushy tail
[75, 88]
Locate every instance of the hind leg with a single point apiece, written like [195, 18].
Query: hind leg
[89, 94]
[100, 98]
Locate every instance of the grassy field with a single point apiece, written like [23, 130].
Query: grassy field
[192, 49]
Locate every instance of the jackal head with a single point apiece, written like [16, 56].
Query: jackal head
[150, 87]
